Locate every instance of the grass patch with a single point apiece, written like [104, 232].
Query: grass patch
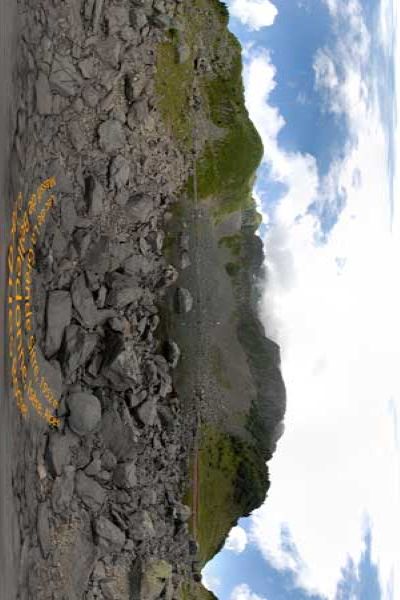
[218, 368]
[173, 88]
[233, 242]
[233, 481]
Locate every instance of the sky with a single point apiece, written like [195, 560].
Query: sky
[320, 84]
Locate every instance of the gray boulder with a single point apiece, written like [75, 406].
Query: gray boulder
[172, 353]
[43, 529]
[44, 98]
[150, 580]
[85, 412]
[64, 78]
[146, 413]
[78, 348]
[121, 365]
[119, 171]
[59, 452]
[183, 300]
[141, 526]
[83, 302]
[63, 490]
[111, 136]
[58, 317]
[119, 437]
[95, 197]
[89, 491]
[109, 537]
[125, 475]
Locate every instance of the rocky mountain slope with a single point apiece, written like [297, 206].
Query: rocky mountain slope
[144, 315]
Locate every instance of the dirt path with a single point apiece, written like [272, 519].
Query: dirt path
[8, 531]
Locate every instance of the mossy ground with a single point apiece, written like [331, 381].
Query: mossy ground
[232, 480]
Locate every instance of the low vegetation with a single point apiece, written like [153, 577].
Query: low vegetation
[232, 482]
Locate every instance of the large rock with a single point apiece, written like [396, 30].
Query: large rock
[150, 580]
[64, 78]
[122, 297]
[89, 491]
[95, 197]
[141, 526]
[59, 452]
[85, 412]
[77, 348]
[183, 300]
[109, 537]
[44, 99]
[109, 51]
[82, 299]
[119, 171]
[172, 353]
[63, 490]
[118, 436]
[146, 413]
[125, 475]
[140, 207]
[111, 136]
[43, 529]
[121, 365]
[58, 317]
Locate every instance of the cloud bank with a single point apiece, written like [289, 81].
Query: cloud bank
[243, 592]
[254, 14]
[332, 303]
[237, 540]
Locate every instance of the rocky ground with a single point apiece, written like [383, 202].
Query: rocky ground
[99, 499]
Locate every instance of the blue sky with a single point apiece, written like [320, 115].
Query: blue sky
[320, 83]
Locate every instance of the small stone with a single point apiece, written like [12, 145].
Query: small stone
[93, 468]
[108, 460]
[125, 475]
[91, 96]
[85, 412]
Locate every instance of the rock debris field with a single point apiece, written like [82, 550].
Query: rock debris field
[99, 499]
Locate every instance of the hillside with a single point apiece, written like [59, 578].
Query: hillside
[227, 365]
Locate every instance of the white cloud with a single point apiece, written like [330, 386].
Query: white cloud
[237, 540]
[338, 328]
[211, 582]
[255, 14]
[243, 592]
